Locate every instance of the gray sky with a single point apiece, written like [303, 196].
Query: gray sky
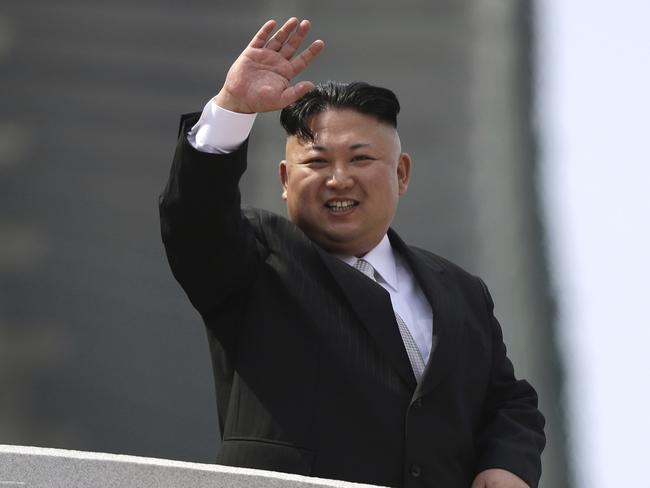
[593, 113]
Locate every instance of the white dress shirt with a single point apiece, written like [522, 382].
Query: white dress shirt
[221, 131]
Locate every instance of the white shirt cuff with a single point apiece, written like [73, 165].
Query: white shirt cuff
[220, 131]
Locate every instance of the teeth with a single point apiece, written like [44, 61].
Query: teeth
[340, 205]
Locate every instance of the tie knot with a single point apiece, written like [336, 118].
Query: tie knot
[366, 268]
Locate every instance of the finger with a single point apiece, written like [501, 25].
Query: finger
[263, 34]
[282, 34]
[300, 62]
[293, 93]
[293, 43]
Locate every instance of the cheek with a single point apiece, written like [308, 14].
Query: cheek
[385, 183]
[305, 187]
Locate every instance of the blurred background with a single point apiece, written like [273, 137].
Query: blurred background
[528, 125]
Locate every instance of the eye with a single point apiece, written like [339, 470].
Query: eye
[314, 162]
[362, 157]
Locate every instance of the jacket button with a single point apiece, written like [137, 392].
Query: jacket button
[416, 471]
[417, 403]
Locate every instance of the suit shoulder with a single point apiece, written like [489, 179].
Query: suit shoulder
[269, 227]
[444, 264]
[278, 235]
[469, 282]
[259, 217]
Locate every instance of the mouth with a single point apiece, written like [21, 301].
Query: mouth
[340, 206]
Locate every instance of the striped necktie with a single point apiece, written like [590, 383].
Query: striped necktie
[411, 347]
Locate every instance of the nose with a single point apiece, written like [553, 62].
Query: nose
[340, 178]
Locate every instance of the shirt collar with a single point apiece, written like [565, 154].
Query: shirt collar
[382, 258]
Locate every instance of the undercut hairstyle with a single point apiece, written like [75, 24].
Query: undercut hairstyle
[362, 97]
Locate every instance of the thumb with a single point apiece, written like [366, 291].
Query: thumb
[293, 93]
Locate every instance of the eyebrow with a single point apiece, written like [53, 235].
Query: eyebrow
[318, 147]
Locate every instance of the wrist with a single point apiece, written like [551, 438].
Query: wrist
[226, 101]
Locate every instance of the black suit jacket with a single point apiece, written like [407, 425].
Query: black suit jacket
[310, 370]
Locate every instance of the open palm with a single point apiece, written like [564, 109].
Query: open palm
[260, 79]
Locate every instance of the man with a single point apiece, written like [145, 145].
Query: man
[338, 350]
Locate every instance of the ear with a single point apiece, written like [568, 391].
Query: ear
[403, 172]
[283, 178]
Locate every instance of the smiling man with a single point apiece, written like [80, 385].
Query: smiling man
[342, 179]
[338, 350]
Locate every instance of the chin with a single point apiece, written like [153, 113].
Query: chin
[345, 241]
[331, 244]
[346, 248]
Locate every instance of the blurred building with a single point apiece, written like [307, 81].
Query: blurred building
[100, 349]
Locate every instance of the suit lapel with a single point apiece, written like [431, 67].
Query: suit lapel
[432, 279]
[372, 305]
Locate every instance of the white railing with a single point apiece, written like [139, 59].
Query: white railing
[36, 467]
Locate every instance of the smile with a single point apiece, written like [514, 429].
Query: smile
[341, 205]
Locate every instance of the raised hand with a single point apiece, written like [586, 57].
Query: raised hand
[260, 79]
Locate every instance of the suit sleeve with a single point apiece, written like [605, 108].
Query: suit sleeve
[211, 248]
[512, 433]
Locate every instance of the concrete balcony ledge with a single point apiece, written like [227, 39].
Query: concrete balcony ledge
[37, 467]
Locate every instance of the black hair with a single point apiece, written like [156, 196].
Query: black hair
[359, 96]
